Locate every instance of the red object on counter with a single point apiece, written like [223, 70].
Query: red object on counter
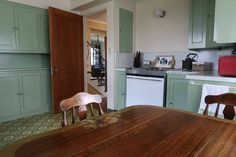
[227, 66]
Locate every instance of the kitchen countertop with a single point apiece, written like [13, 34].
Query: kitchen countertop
[204, 75]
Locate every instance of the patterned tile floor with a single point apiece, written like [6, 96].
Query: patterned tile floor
[12, 131]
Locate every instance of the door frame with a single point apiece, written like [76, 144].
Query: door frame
[110, 48]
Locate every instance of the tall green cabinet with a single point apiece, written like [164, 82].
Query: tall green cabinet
[25, 85]
[126, 31]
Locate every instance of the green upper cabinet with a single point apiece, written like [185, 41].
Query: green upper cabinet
[201, 24]
[44, 30]
[126, 31]
[7, 32]
[23, 29]
[27, 26]
[120, 92]
[225, 21]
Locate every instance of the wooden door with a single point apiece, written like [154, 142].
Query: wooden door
[66, 39]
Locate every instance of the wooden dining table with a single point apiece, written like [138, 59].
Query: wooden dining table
[137, 131]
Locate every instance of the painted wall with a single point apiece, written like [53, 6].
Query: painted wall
[168, 34]
[61, 4]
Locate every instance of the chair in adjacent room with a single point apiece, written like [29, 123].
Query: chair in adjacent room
[80, 100]
[227, 99]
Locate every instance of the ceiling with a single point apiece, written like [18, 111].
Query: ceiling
[100, 17]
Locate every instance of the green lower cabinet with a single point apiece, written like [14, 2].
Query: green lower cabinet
[120, 91]
[194, 96]
[185, 94]
[30, 87]
[9, 96]
[24, 93]
[177, 89]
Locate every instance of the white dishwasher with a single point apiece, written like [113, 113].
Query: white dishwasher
[142, 90]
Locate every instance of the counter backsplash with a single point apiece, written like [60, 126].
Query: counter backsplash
[203, 56]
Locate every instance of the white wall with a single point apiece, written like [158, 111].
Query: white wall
[61, 4]
[168, 34]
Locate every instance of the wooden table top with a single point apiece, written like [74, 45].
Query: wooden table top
[138, 131]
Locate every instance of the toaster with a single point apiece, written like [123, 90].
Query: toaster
[227, 66]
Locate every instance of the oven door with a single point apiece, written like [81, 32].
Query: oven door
[144, 91]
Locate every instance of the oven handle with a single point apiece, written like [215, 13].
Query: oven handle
[145, 78]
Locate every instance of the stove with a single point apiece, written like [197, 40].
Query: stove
[148, 72]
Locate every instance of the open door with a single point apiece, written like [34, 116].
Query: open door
[66, 41]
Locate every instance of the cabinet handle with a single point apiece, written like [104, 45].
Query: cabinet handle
[20, 93]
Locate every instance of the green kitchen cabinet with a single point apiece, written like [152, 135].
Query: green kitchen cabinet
[177, 91]
[225, 23]
[9, 95]
[25, 92]
[185, 94]
[7, 31]
[201, 25]
[44, 31]
[126, 31]
[120, 90]
[24, 29]
[30, 87]
[27, 25]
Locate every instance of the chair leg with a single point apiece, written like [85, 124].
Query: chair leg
[92, 111]
[73, 115]
[100, 109]
[64, 123]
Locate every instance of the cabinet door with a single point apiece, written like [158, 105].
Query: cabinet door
[10, 105]
[46, 93]
[126, 31]
[120, 89]
[7, 32]
[177, 94]
[197, 23]
[44, 32]
[27, 23]
[194, 95]
[31, 89]
[225, 15]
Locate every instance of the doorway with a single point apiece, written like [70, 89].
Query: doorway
[96, 53]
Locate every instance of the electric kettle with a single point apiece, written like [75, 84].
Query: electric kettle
[187, 63]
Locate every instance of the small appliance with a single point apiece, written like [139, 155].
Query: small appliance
[226, 66]
[187, 63]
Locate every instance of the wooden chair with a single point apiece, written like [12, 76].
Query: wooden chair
[228, 99]
[80, 100]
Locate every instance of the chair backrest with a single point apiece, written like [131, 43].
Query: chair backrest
[228, 99]
[84, 98]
